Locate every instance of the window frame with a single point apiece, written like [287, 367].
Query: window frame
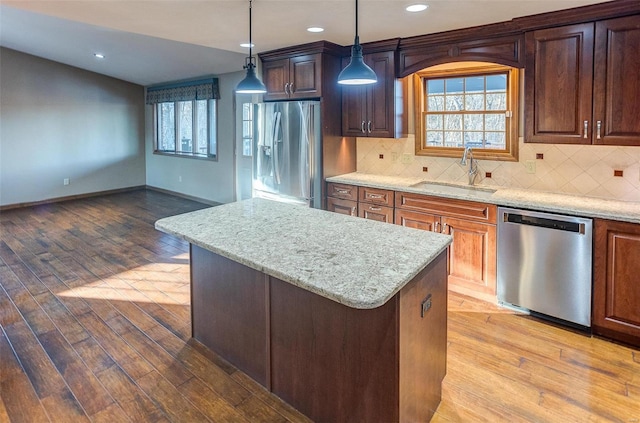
[212, 126]
[510, 153]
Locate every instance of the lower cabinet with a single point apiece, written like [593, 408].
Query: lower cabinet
[471, 259]
[616, 280]
[472, 254]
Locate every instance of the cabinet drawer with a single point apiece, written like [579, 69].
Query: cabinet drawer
[375, 195]
[346, 192]
[337, 205]
[375, 212]
[471, 210]
[411, 219]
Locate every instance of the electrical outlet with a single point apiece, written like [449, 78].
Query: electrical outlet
[406, 158]
[66, 181]
[394, 156]
[531, 166]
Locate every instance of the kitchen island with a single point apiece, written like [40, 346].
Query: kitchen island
[343, 318]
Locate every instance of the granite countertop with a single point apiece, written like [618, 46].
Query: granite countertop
[357, 262]
[625, 211]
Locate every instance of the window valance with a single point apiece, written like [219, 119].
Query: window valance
[204, 89]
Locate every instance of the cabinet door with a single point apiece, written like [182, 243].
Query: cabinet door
[424, 221]
[305, 78]
[338, 205]
[375, 212]
[380, 96]
[275, 75]
[616, 284]
[558, 85]
[354, 110]
[616, 87]
[472, 255]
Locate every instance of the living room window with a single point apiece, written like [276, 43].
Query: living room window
[467, 107]
[185, 118]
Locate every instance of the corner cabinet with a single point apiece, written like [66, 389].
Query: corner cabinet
[300, 72]
[616, 281]
[375, 110]
[582, 83]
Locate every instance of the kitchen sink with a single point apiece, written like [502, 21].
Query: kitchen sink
[454, 190]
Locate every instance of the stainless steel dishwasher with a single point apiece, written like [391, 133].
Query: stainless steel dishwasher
[544, 264]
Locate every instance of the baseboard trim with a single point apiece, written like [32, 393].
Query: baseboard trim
[70, 197]
[181, 195]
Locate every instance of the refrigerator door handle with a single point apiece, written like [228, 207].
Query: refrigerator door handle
[276, 150]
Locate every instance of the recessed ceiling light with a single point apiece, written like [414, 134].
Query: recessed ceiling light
[416, 8]
[98, 55]
[315, 29]
[247, 45]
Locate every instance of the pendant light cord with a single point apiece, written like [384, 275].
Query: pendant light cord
[250, 43]
[356, 18]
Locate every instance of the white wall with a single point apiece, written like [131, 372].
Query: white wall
[205, 179]
[58, 122]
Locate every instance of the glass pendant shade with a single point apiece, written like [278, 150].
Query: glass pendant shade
[250, 84]
[357, 72]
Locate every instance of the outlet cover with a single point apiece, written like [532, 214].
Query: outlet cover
[66, 181]
[406, 158]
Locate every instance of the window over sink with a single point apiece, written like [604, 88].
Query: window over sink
[469, 105]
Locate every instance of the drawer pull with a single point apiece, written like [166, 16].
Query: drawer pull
[375, 196]
[374, 208]
[343, 191]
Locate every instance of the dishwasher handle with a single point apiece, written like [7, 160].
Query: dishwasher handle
[544, 222]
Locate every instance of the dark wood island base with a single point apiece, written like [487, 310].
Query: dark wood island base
[330, 361]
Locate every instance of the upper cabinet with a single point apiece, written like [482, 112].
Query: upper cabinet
[294, 78]
[375, 110]
[582, 83]
[300, 72]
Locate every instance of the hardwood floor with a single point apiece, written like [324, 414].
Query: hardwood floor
[95, 325]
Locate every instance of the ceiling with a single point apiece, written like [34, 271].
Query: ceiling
[153, 41]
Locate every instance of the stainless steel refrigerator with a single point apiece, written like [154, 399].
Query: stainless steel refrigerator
[287, 152]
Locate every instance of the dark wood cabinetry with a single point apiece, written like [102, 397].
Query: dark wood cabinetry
[301, 72]
[616, 280]
[582, 83]
[297, 77]
[472, 254]
[365, 202]
[370, 111]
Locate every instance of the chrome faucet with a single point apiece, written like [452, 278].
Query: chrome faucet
[473, 166]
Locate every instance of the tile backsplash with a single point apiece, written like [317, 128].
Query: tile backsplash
[572, 169]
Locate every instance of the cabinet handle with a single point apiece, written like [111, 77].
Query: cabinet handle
[374, 208]
[375, 196]
[369, 127]
[353, 211]
[286, 89]
[436, 227]
[598, 128]
[586, 128]
[445, 228]
[291, 88]
[343, 191]
[362, 127]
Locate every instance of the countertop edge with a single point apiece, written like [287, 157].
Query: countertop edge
[591, 207]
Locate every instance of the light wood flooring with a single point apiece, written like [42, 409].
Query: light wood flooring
[95, 326]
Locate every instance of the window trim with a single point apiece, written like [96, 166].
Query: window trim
[510, 153]
[212, 105]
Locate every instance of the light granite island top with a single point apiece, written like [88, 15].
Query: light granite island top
[356, 262]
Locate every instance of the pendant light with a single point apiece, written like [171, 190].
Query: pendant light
[250, 84]
[357, 72]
